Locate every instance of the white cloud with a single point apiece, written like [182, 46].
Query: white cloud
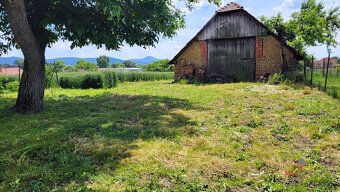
[286, 4]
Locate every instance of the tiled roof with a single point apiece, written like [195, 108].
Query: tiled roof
[230, 7]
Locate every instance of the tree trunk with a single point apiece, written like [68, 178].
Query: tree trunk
[31, 90]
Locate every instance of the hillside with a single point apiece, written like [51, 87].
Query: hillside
[73, 60]
[160, 136]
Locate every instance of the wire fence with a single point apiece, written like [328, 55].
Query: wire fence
[316, 77]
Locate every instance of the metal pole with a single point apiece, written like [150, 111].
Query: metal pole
[311, 74]
[329, 56]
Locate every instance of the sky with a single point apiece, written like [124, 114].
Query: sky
[195, 20]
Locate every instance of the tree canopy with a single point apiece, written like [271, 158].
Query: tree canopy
[104, 23]
[160, 65]
[129, 64]
[32, 25]
[312, 25]
[86, 65]
[103, 61]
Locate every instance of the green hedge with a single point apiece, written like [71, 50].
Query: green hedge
[96, 80]
[143, 76]
[70, 82]
[108, 79]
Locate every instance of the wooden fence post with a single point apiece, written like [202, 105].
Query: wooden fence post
[329, 56]
[311, 74]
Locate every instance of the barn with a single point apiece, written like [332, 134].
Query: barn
[233, 45]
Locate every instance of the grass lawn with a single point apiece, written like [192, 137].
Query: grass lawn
[333, 83]
[158, 136]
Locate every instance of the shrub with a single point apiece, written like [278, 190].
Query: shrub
[8, 84]
[2, 89]
[143, 76]
[12, 86]
[6, 79]
[276, 79]
[295, 77]
[70, 82]
[160, 65]
[85, 65]
[333, 92]
[110, 79]
[188, 79]
[94, 81]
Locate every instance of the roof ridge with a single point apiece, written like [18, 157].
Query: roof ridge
[230, 7]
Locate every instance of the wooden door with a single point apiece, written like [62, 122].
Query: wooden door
[232, 59]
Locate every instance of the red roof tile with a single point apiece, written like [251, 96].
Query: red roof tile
[230, 7]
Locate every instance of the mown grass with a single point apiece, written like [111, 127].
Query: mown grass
[159, 136]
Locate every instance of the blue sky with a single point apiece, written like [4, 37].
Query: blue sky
[167, 48]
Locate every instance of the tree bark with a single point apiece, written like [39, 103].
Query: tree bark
[31, 90]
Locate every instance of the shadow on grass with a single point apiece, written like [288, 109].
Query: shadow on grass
[74, 138]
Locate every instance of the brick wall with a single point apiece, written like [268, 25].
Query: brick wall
[192, 60]
[268, 56]
[204, 52]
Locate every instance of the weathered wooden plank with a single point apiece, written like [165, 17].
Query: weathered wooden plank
[232, 59]
[231, 25]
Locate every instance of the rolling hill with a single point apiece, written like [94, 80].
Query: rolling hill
[73, 60]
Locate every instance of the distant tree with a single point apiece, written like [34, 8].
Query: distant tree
[160, 65]
[19, 63]
[86, 65]
[332, 28]
[103, 61]
[117, 65]
[129, 64]
[59, 65]
[120, 65]
[337, 59]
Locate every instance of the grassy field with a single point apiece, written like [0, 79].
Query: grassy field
[159, 136]
[333, 83]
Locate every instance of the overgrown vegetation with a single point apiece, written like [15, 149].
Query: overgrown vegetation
[159, 136]
[86, 65]
[85, 80]
[333, 85]
[8, 84]
[160, 65]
